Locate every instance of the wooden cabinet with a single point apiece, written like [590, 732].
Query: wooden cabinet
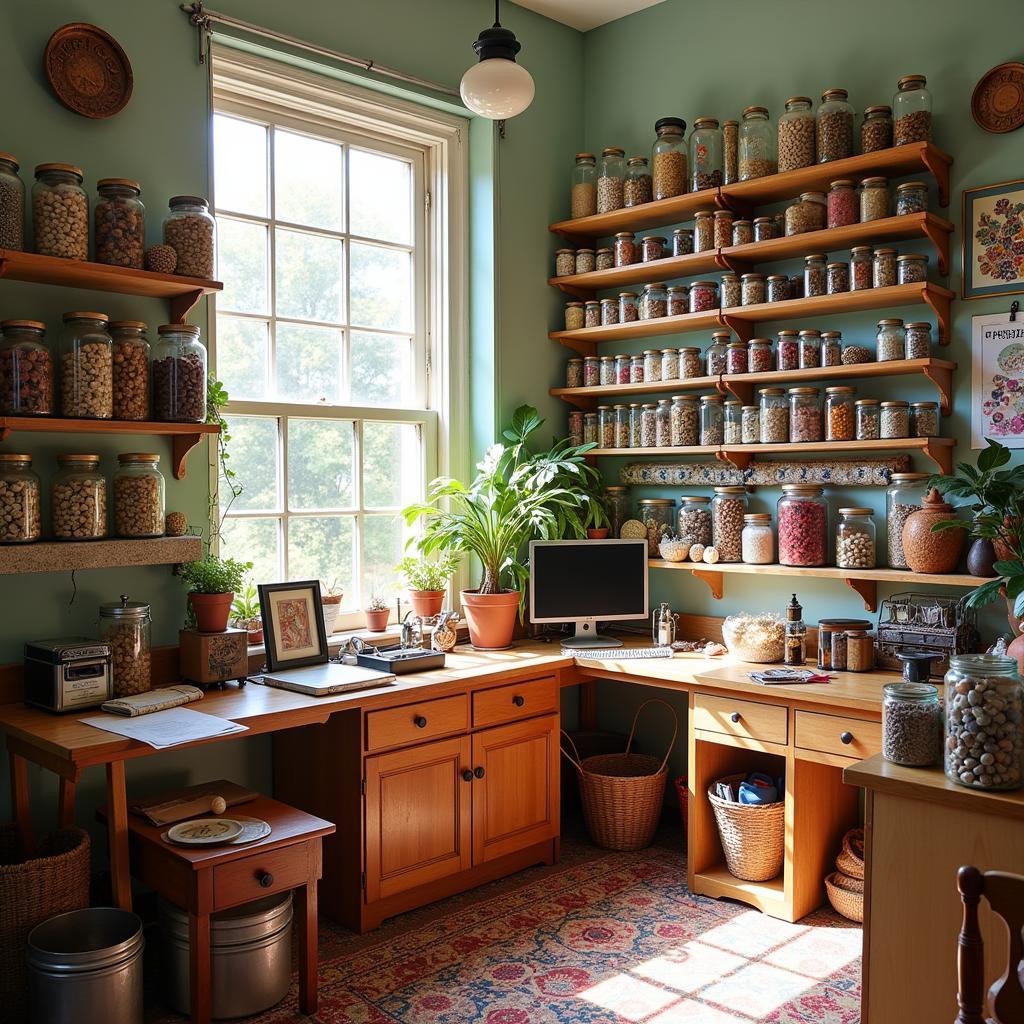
[510, 703]
[740, 718]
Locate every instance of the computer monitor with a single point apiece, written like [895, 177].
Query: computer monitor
[586, 582]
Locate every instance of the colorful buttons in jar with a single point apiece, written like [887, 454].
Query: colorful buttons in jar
[874, 199]
[810, 349]
[803, 526]
[712, 420]
[736, 357]
[860, 268]
[839, 418]
[814, 275]
[574, 373]
[731, 291]
[911, 197]
[689, 363]
[624, 249]
[565, 262]
[703, 296]
[759, 355]
[804, 416]
[911, 269]
[842, 204]
[678, 299]
[573, 316]
[883, 268]
[586, 261]
[629, 307]
[592, 313]
[837, 278]
[924, 419]
[868, 415]
[789, 349]
[652, 247]
[895, 419]
[609, 312]
[778, 288]
[831, 348]
[682, 242]
[752, 289]
[703, 230]
[685, 421]
[918, 340]
[774, 416]
[890, 342]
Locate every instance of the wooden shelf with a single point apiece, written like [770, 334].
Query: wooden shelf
[66, 556]
[742, 258]
[183, 292]
[719, 881]
[742, 385]
[741, 320]
[185, 436]
[746, 195]
[864, 581]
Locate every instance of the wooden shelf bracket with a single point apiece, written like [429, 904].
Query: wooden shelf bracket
[939, 300]
[583, 294]
[868, 590]
[942, 378]
[581, 346]
[940, 239]
[714, 580]
[939, 166]
[182, 445]
[742, 390]
[941, 455]
[731, 263]
[741, 460]
[182, 305]
[743, 329]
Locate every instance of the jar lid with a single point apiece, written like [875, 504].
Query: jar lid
[810, 489]
[10, 158]
[86, 316]
[866, 401]
[683, 231]
[788, 332]
[840, 389]
[743, 222]
[678, 289]
[751, 408]
[704, 213]
[839, 94]
[32, 325]
[720, 334]
[757, 517]
[761, 341]
[730, 124]
[585, 156]
[777, 277]
[753, 276]
[122, 182]
[194, 331]
[655, 238]
[911, 184]
[772, 391]
[924, 405]
[878, 108]
[606, 359]
[733, 402]
[188, 201]
[661, 401]
[730, 490]
[725, 213]
[615, 489]
[712, 398]
[688, 349]
[751, 111]
[798, 99]
[890, 323]
[656, 501]
[24, 460]
[624, 234]
[560, 252]
[705, 122]
[898, 404]
[832, 334]
[670, 122]
[856, 511]
[612, 151]
[840, 263]
[704, 284]
[841, 625]
[730, 275]
[627, 295]
[603, 248]
[912, 256]
[64, 168]
[568, 305]
[124, 609]
[694, 497]
[75, 457]
[907, 478]
[684, 398]
[618, 407]
[884, 252]
[922, 325]
[136, 325]
[578, 251]
[810, 332]
[588, 304]
[863, 249]
[842, 183]
[911, 82]
[911, 691]
[590, 359]
[764, 220]
[637, 161]
[857, 634]
[803, 391]
[138, 457]
[737, 345]
[652, 351]
[812, 197]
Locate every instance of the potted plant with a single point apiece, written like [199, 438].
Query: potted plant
[212, 583]
[596, 519]
[377, 614]
[245, 614]
[330, 597]
[427, 582]
[517, 495]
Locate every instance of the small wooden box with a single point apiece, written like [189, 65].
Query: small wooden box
[208, 659]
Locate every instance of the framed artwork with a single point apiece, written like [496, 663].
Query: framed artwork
[997, 380]
[293, 624]
[993, 240]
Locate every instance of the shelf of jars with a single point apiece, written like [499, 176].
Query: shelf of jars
[743, 258]
[742, 320]
[70, 555]
[183, 292]
[743, 196]
[184, 436]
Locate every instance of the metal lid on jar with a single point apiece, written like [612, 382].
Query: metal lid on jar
[705, 122]
[856, 511]
[678, 289]
[834, 94]
[742, 222]
[776, 277]
[761, 341]
[890, 323]
[578, 251]
[897, 404]
[590, 359]
[864, 250]
[840, 389]
[737, 345]
[10, 158]
[717, 336]
[810, 332]
[757, 517]
[803, 391]
[835, 335]
[866, 401]
[752, 276]
[615, 489]
[606, 359]
[575, 359]
[656, 501]
[803, 489]
[725, 214]
[843, 183]
[655, 238]
[561, 252]
[907, 478]
[603, 248]
[764, 220]
[911, 185]
[712, 398]
[22, 460]
[138, 457]
[874, 182]
[920, 325]
[135, 325]
[591, 304]
[878, 110]
[674, 123]
[694, 497]
[788, 332]
[911, 82]
[124, 609]
[627, 295]
[730, 490]
[568, 305]
[812, 197]
[625, 234]
[840, 263]
[61, 168]
[76, 457]
[755, 112]
[618, 407]
[914, 256]
[29, 325]
[119, 183]
[188, 201]
[684, 398]
[841, 625]
[194, 331]
[924, 405]
[613, 151]
[86, 316]
[585, 156]
[793, 100]
[704, 284]
[772, 392]
[637, 161]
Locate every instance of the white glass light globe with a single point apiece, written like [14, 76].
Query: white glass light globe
[497, 88]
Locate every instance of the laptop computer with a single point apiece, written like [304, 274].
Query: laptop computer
[324, 680]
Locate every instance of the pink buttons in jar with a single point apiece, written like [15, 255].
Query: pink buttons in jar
[803, 526]
[759, 355]
[789, 350]
[703, 296]
[736, 357]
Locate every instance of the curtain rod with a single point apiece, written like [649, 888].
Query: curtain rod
[203, 19]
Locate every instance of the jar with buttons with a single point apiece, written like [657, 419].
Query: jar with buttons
[663, 423]
[855, 539]
[810, 349]
[911, 197]
[574, 316]
[742, 232]
[590, 428]
[804, 415]
[609, 312]
[815, 279]
[605, 427]
[911, 111]
[842, 203]
[60, 212]
[12, 204]
[682, 241]
[918, 340]
[624, 249]
[764, 228]
[670, 364]
[652, 247]
[895, 419]
[703, 296]
[653, 302]
[78, 499]
[796, 134]
[883, 268]
[635, 424]
[592, 313]
[860, 268]
[622, 374]
[703, 230]
[86, 367]
[911, 269]
[26, 369]
[126, 625]
[750, 425]
[730, 152]
[611, 177]
[685, 417]
[774, 410]
[705, 154]
[689, 363]
[831, 348]
[604, 259]
[584, 186]
[695, 519]
[638, 188]
[138, 496]
[911, 724]
[902, 500]
[837, 278]
[802, 519]
[678, 299]
[189, 229]
[669, 158]
[652, 365]
[890, 341]
[924, 419]
[658, 515]
[757, 542]
[839, 418]
[874, 199]
[759, 355]
[723, 221]
[834, 126]
[636, 369]
[753, 291]
[733, 421]
[716, 355]
[648, 425]
[778, 288]
[20, 500]
[736, 357]
[756, 145]
[876, 129]
[586, 261]
[621, 416]
[808, 213]
[868, 414]
[179, 375]
[575, 427]
[728, 507]
[712, 420]
[591, 371]
[607, 371]
[565, 262]
[119, 223]
[731, 290]
[131, 369]
[629, 307]
[789, 349]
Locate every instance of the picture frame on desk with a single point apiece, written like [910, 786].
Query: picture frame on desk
[293, 623]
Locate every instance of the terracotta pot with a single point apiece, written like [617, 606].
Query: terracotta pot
[491, 618]
[254, 636]
[426, 603]
[929, 552]
[1016, 650]
[598, 534]
[1003, 552]
[377, 621]
[211, 611]
[981, 557]
[331, 605]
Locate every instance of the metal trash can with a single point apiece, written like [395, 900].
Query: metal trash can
[85, 967]
[251, 950]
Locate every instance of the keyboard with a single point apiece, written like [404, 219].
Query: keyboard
[619, 653]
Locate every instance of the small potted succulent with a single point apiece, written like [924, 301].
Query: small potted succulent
[377, 614]
[212, 583]
[427, 582]
[245, 614]
[330, 597]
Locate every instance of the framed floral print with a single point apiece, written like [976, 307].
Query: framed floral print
[293, 624]
[993, 240]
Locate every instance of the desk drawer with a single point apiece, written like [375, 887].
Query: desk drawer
[416, 723]
[519, 700]
[260, 875]
[745, 718]
[833, 734]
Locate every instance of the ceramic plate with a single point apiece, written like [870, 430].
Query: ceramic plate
[998, 101]
[204, 831]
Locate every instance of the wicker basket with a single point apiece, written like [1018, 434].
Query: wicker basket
[55, 879]
[846, 902]
[623, 794]
[753, 835]
[851, 857]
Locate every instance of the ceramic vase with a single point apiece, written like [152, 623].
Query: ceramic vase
[927, 552]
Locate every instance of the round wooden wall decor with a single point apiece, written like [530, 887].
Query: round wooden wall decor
[88, 71]
[998, 100]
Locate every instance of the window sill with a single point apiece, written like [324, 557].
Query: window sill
[392, 635]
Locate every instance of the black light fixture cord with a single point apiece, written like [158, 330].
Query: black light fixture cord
[497, 20]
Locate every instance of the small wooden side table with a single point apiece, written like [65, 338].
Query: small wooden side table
[203, 880]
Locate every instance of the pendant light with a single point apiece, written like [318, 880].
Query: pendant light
[497, 87]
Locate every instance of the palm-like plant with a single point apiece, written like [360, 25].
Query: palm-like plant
[517, 495]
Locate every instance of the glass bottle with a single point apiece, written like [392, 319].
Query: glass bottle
[831, 348]
[668, 158]
[652, 247]
[622, 362]
[918, 340]
[585, 261]
[894, 420]
[703, 230]
[682, 241]
[663, 423]
[616, 502]
[733, 421]
[138, 488]
[689, 363]
[607, 371]
[119, 223]
[911, 268]
[670, 364]
[625, 249]
[736, 357]
[730, 291]
[796, 134]
[874, 199]
[658, 515]
[774, 417]
[867, 412]
[804, 416]
[788, 357]
[759, 355]
[757, 542]
[652, 365]
[705, 154]
[750, 425]
[911, 724]
[808, 213]
[653, 302]
[834, 126]
[883, 268]
[609, 311]
[924, 419]
[728, 507]
[26, 369]
[842, 203]
[591, 371]
[78, 499]
[583, 201]
[730, 152]
[839, 418]
[565, 262]
[19, 500]
[638, 188]
[648, 425]
[712, 420]
[803, 526]
[902, 500]
[695, 519]
[764, 228]
[126, 626]
[629, 307]
[12, 204]
[636, 369]
[757, 145]
[590, 428]
[855, 539]
[60, 212]
[810, 349]
[703, 296]
[611, 177]
[86, 365]
[621, 416]
[603, 258]
[576, 426]
[911, 111]
[678, 299]
[717, 353]
[890, 341]
[911, 197]
[876, 129]
[635, 424]
[574, 316]
[179, 375]
[742, 232]
[131, 369]
[592, 313]
[860, 268]
[814, 274]
[795, 650]
[605, 427]
[685, 416]
[753, 289]
[837, 278]
[723, 228]
[190, 231]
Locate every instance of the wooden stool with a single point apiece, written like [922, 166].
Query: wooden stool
[203, 880]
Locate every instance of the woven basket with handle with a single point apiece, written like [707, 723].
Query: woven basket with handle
[622, 794]
[753, 835]
[851, 857]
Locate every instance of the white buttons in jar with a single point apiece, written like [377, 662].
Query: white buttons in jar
[855, 539]
[757, 542]
[189, 231]
[911, 269]
[60, 212]
[895, 419]
[890, 342]
[78, 499]
[86, 366]
[918, 340]
[19, 500]
[924, 419]
[138, 496]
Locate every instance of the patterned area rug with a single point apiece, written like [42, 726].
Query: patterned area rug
[601, 938]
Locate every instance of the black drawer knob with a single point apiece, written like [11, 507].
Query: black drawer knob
[478, 772]
[467, 775]
[734, 717]
[266, 880]
[846, 737]
[518, 701]
[420, 722]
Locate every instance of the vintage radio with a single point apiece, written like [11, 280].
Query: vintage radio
[943, 626]
[68, 674]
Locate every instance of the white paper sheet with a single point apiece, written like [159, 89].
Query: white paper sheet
[166, 728]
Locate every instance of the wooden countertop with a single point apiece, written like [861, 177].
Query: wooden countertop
[931, 785]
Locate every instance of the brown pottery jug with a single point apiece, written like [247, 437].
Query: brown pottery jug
[929, 552]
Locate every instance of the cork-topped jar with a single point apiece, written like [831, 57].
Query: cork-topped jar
[929, 552]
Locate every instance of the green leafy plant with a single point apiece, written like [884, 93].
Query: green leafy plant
[596, 517]
[213, 575]
[377, 604]
[332, 589]
[216, 399]
[517, 495]
[423, 574]
[245, 609]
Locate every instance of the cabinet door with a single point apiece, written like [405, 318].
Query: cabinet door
[418, 816]
[515, 799]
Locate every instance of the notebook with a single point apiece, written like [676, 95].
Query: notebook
[324, 680]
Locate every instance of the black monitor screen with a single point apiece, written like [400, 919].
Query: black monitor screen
[591, 579]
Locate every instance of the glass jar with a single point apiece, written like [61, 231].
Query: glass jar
[728, 507]
[689, 363]
[678, 299]
[179, 375]
[652, 247]
[924, 419]
[591, 372]
[19, 500]
[895, 419]
[189, 230]
[670, 364]
[653, 302]
[752, 289]
[717, 352]
[586, 261]
[86, 363]
[605, 427]
[750, 425]
[803, 526]
[918, 340]
[842, 204]
[119, 223]
[757, 541]
[723, 220]
[611, 178]
[712, 420]
[685, 416]
[814, 274]
[831, 348]
[902, 500]
[883, 268]
[12, 204]
[705, 154]
[810, 349]
[668, 158]
[860, 650]
[138, 487]
[620, 414]
[983, 697]
[131, 369]
[622, 361]
[616, 503]
[591, 428]
[648, 425]
[809, 213]
[603, 258]
[733, 421]
[574, 316]
[609, 312]
[911, 724]
[911, 268]
[731, 293]
[774, 416]
[695, 519]
[796, 134]
[868, 416]
[663, 423]
[583, 201]
[742, 232]
[890, 342]
[78, 499]
[911, 197]
[576, 427]
[636, 369]
[778, 288]
[796, 286]
[759, 355]
[635, 423]
[682, 241]
[860, 268]
[26, 369]
[730, 152]
[756, 145]
[629, 307]
[876, 129]
[652, 365]
[592, 313]
[625, 249]
[837, 278]
[703, 296]
[839, 418]
[638, 188]
[125, 625]
[804, 416]
[788, 350]
[703, 230]
[834, 126]
[658, 516]
[874, 199]
[855, 539]
[764, 228]
[736, 357]
[60, 212]
[565, 262]
[911, 111]
[607, 371]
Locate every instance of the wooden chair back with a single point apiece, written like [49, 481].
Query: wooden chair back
[1005, 895]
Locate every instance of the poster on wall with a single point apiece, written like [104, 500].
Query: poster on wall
[993, 240]
[997, 380]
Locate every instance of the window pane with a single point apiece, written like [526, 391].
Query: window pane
[383, 548]
[307, 181]
[309, 275]
[322, 548]
[381, 370]
[380, 197]
[253, 457]
[309, 361]
[240, 165]
[320, 464]
[256, 541]
[242, 264]
[391, 464]
[381, 287]
[242, 357]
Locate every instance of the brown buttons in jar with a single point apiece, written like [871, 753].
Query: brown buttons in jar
[139, 496]
[130, 370]
[119, 223]
[86, 366]
[26, 370]
[19, 500]
[125, 625]
[60, 212]
[179, 375]
[189, 231]
[79, 499]
[839, 419]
